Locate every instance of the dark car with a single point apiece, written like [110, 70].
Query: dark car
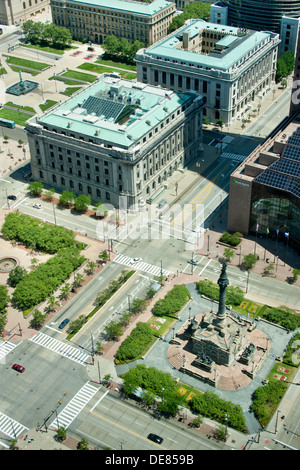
[12, 197]
[155, 438]
[63, 323]
[18, 367]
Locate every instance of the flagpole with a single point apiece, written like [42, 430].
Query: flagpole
[267, 231]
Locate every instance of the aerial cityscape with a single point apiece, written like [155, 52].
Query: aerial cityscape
[150, 227]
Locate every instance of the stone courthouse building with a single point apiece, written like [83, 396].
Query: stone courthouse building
[116, 138]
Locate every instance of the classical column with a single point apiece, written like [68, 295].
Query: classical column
[223, 282]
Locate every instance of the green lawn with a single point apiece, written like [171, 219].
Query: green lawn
[119, 65]
[47, 105]
[17, 61]
[19, 117]
[70, 90]
[85, 77]
[102, 69]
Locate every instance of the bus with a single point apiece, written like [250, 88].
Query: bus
[7, 123]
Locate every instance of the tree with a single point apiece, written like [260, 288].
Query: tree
[49, 194]
[61, 433]
[83, 444]
[16, 275]
[66, 198]
[65, 291]
[249, 261]
[193, 10]
[111, 45]
[103, 256]
[113, 330]
[228, 253]
[90, 267]
[35, 188]
[51, 303]
[37, 320]
[82, 202]
[78, 280]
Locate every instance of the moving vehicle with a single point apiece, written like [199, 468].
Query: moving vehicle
[135, 260]
[7, 123]
[12, 197]
[63, 323]
[18, 368]
[155, 438]
[37, 206]
[193, 261]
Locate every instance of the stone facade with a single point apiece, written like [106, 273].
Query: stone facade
[230, 67]
[95, 20]
[82, 147]
[18, 11]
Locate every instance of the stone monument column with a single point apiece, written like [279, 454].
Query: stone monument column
[220, 321]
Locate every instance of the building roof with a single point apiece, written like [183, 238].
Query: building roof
[284, 174]
[236, 43]
[115, 110]
[142, 8]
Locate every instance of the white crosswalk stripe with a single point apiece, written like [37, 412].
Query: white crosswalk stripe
[10, 427]
[233, 156]
[59, 347]
[75, 406]
[140, 265]
[5, 348]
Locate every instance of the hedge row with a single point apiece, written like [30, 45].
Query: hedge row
[37, 285]
[173, 301]
[136, 343]
[234, 295]
[36, 234]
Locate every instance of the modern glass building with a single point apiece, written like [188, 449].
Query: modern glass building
[262, 15]
[264, 195]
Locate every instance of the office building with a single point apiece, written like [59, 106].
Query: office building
[116, 138]
[229, 66]
[18, 11]
[94, 20]
[261, 15]
[264, 194]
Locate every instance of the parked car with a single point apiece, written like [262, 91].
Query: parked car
[193, 261]
[37, 206]
[63, 323]
[155, 438]
[18, 368]
[12, 197]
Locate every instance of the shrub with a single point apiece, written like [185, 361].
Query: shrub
[40, 283]
[173, 301]
[36, 234]
[234, 295]
[232, 240]
[136, 343]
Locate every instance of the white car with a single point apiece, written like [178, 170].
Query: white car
[135, 260]
[37, 206]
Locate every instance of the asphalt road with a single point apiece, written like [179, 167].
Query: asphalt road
[111, 421]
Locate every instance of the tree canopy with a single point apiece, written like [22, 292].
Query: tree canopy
[193, 10]
[121, 48]
[36, 234]
[38, 33]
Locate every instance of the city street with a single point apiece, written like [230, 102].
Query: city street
[60, 383]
